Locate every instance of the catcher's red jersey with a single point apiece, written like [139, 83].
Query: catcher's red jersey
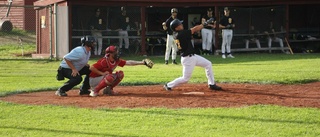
[104, 64]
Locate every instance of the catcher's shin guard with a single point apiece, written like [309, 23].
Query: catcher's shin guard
[119, 77]
[111, 80]
[101, 85]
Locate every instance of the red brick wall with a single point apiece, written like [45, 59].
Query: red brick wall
[21, 17]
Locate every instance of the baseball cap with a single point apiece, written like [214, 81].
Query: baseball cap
[209, 9]
[226, 8]
[174, 10]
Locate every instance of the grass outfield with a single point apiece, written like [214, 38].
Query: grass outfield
[25, 75]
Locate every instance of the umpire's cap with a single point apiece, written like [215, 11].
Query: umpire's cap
[175, 23]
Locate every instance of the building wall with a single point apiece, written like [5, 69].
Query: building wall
[43, 37]
[20, 17]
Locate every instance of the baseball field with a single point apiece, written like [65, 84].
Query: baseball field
[275, 95]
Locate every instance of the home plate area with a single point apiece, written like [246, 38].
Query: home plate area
[185, 96]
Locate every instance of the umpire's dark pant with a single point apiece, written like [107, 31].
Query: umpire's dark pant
[73, 81]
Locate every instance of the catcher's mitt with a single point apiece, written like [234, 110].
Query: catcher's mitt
[148, 63]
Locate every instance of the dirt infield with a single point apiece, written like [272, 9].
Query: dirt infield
[185, 96]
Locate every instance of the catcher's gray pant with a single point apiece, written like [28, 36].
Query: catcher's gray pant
[98, 36]
[123, 36]
[206, 39]
[188, 63]
[227, 35]
[170, 44]
[275, 39]
[255, 40]
[95, 81]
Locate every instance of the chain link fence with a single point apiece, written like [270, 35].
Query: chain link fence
[17, 30]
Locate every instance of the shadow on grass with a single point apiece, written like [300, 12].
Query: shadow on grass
[80, 133]
[248, 118]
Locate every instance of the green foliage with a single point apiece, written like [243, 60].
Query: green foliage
[16, 32]
[17, 51]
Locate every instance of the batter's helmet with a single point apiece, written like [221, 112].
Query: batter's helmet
[175, 23]
[174, 10]
[88, 40]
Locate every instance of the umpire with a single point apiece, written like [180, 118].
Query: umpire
[74, 65]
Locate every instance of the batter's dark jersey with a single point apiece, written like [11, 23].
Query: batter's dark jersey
[183, 40]
[226, 21]
[168, 21]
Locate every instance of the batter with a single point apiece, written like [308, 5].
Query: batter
[188, 57]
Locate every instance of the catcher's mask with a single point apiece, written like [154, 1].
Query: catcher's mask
[88, 41]
[113, 51]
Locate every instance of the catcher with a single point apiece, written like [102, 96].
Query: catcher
[102, 75]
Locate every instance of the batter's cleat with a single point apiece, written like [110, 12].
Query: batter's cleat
[61, 93]
[93, 93]
[223, 56]
[174, 62]
[230, 56]
[166, 62]
[166, 87]
[215, 87]
[84, 92]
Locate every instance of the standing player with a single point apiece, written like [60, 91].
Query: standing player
[96, 26]
[74, 65]
[170, 42]
[208, 33]
[227, 25]
[124, 21]
[188, 57]
[102, 75]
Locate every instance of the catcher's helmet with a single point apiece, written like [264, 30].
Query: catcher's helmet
[175, 23]
[88, 40]
[174, 10]
[112, 49]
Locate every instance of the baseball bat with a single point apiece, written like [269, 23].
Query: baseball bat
[288, 45]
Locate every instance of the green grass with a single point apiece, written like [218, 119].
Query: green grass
[255, 121]
[26, 75]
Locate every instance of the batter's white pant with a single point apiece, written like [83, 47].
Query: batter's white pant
[276, 39]
[123, 36]
[206, 39]
[227, 35]
[170, 44]
[98, 47]
[95, 81]
[188, 64]
[255, 40]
